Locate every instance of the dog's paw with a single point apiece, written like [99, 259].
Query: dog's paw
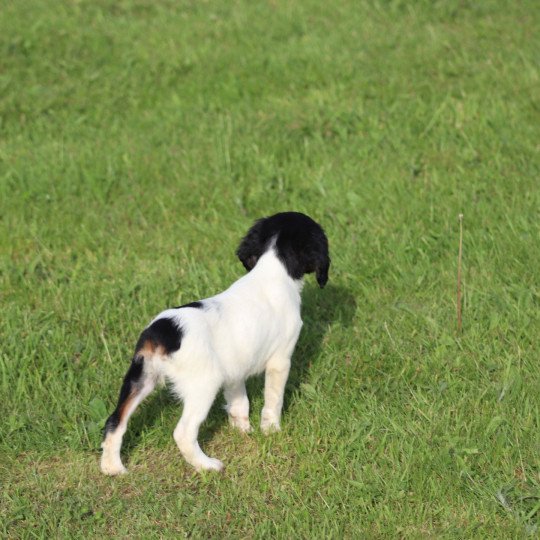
[241, 423]
[112, 469]
[209, 464]
[269, 426]
[111, 464]
[267, 429]
[269, 422]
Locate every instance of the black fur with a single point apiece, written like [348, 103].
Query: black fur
[131, 384]
[301, 245]
[195, 304]
[163, 332]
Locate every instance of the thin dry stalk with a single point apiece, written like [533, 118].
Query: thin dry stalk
[460, 252]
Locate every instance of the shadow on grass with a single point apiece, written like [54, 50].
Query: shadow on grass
[334, 305]
[320, 310]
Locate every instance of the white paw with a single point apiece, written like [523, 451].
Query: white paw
[269, 425]
[209, 464]
[240, 423]
[112, 469]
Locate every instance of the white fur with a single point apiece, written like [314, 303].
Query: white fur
[251, 327]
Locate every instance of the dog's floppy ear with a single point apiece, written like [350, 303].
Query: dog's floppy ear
[321, 257]
[321, 270]
[252, 246]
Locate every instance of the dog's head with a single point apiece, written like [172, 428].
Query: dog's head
[300, 244]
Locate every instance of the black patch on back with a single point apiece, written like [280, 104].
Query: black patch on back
[132, 383]
[164, 332]
[197, 304]
[301, 245]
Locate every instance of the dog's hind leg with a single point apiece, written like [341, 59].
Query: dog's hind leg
[138, 383]
[157, 342]
[197, 403]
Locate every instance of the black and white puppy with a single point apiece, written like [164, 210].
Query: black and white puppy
[219, 342]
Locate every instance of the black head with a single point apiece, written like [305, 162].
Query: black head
[300, 244]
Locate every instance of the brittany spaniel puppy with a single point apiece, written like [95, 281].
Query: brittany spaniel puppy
[220, 341]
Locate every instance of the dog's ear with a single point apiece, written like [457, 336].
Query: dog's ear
[252, 246]
[303, 249]
[321, 257]
[321, 270]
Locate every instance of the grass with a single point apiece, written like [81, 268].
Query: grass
[138, 141]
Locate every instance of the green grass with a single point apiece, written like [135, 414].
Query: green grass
[139, 140]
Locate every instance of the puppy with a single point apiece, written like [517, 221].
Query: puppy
[219, 342]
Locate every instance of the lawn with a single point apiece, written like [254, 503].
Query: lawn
[139, 139]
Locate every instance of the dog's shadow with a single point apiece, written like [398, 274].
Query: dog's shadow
[334, 305]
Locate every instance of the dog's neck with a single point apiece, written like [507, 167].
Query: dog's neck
[270, 269]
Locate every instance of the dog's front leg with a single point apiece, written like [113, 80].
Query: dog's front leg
[238, 405]
[277, 372]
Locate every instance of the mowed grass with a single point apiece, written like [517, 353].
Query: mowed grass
[138, 142]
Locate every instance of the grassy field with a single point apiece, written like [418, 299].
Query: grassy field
[139, 139]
